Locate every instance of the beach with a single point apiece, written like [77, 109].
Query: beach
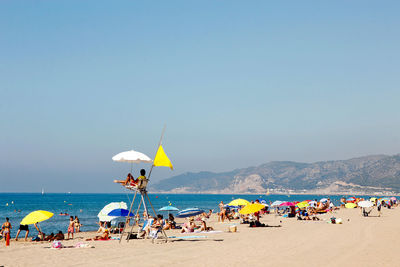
[359, 241]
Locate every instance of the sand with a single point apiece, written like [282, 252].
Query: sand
[359, 241]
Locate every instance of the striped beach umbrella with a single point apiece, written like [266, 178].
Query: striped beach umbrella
[189, 212]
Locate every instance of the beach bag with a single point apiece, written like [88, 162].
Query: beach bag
[56, 244]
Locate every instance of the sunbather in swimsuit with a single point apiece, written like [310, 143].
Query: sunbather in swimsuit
[128, 181]
[6, 228]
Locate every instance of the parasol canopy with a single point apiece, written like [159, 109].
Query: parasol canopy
[239, 202]
[36, 216]
[168, 208]
[351, 199]
[303, 204]
[120, 213]
[351, 205]
[103, 214]
[189, 212]
[132, 156]
[251, 208]
[276, 203]
[365, 204]
[286, 204]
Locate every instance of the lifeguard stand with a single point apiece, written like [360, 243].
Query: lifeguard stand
[140, 188]
[132, 156]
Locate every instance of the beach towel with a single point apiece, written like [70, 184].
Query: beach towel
[187, 237]
[208, 232]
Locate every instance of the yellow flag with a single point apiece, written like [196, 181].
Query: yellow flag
[161, 159]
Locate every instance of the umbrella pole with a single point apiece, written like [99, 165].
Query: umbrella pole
[126, 219]
[40, 231]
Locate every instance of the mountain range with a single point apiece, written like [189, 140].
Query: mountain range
[375, 174]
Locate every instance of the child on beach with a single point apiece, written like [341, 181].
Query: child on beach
[71, 227]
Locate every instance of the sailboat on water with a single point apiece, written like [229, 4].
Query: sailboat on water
[42, 191]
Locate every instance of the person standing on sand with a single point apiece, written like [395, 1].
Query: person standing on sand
[77, 225]
[6, 229]
[22, 228]
[71, 227]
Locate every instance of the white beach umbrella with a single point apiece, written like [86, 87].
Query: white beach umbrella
[365, 204]
[103, 214]
[323, 200]
[312, 203]
[276, 203]
[132, 156]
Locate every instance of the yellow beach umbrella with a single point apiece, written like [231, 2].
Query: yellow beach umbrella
[351, 205]
[373, 199]
[36, 216]
[251, 208]
[239, 202]
[303, 204]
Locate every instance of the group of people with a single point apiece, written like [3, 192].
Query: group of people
[74, 226]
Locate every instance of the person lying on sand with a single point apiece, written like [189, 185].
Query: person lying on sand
[59, 236]
[104, 236]
[50, 237]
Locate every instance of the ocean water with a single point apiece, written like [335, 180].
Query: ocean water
[86, 206]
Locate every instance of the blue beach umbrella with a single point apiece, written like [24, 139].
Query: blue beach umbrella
[189, 212]
[168, 208]
[120, 213]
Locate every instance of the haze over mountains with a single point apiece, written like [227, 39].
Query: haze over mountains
[375, 174]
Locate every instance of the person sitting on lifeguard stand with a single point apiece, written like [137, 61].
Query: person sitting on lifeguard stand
[130, 181]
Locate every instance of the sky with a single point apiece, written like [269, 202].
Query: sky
[237, 84]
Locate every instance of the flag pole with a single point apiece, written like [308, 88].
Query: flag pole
[159, 143]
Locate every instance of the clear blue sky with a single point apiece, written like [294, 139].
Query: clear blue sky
[238, 83]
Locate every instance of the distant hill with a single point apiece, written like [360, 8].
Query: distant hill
[377, 174]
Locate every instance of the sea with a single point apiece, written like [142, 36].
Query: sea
[86, 206]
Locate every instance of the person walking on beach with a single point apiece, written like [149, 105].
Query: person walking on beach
[71, 227]
[6, 229]
[22, 228]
